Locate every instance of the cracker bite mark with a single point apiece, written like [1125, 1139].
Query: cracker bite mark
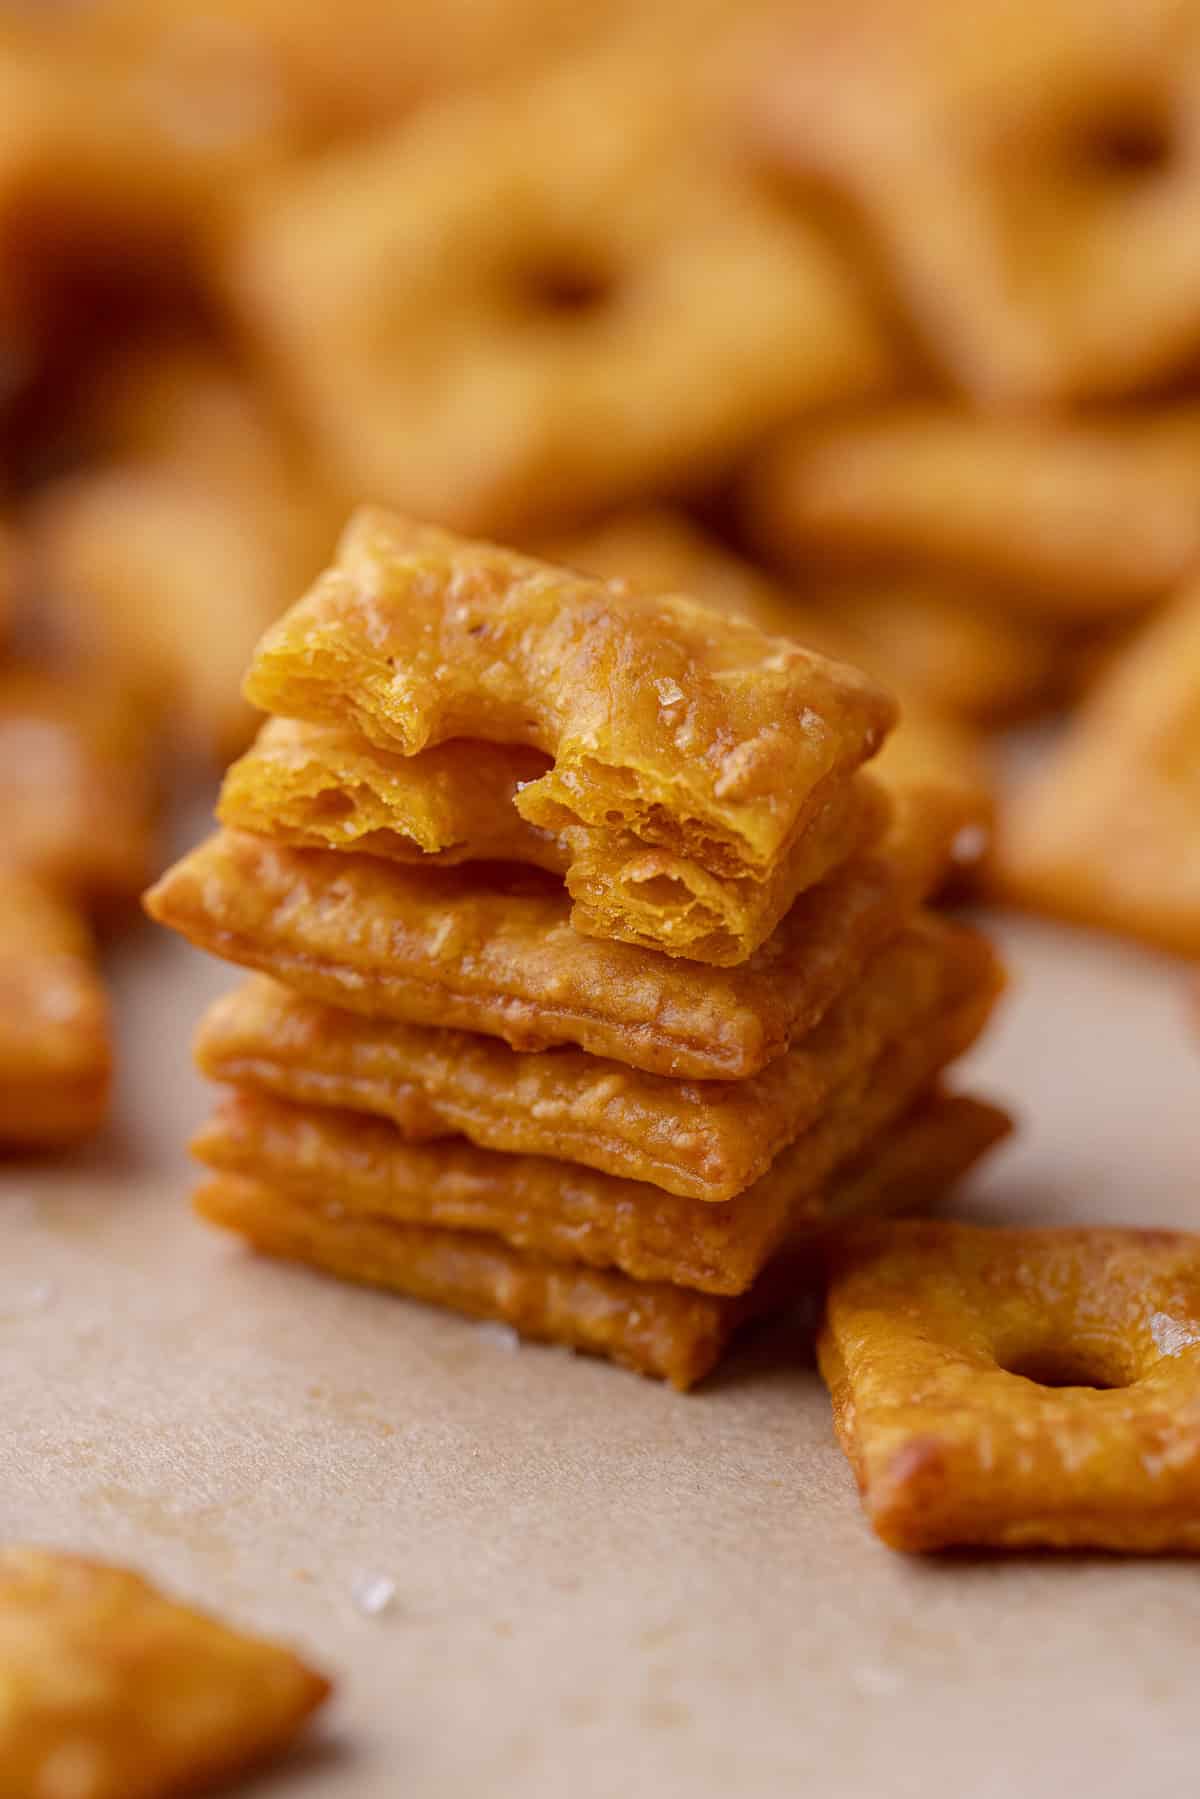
[932, 757]
[1029, 172]
[482, 949]
[56, 1049]
[703, 1140]
[480, 334]
[324, 786]
[695, 733]
[652, 1327]
[1107, 832]
[1013, 1388]
[109, 1690]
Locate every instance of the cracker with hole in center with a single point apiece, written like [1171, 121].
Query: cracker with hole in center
[498, 312]
[1029, 174]
[1019, 1388]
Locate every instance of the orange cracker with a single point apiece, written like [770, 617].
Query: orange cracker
[1028, 172]
[493, 950]
[693, 732]
[931, 757]
[1068, 520]
[706, 1141]
[652, 1327]
[1019, 1388]
[325, 786]
[190, 533]
[108, 1690]
[55, 1035]
[77, 792]
[1107, 832]
[963, 656]
[483, 333]
[567, 1212]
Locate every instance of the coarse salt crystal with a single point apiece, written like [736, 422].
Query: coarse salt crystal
[1171, 1337]
[668, 691]
[372, 1593]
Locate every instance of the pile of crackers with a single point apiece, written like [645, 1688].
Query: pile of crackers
[594, 975]
[878, 324]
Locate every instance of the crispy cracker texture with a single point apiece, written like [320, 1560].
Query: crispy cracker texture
[493, 951]
[1019, 1388]
[703, 1140]
[1026, 113]
[933, 756]
[657, 1329]
[325, 787]
[108, 1690]
[56, 1047]
[695, 733]
[1107, 832]
[566, 297]
[569, 1212]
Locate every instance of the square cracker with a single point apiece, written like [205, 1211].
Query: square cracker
[493, 951]
[78, 795]
[108, 1690]
[932, 757]
[695, 733]
[55, 1035]
[501, 307]
[318, 786]
[1107, 830]
[705, 1140]
[572, 1213]
[654, 1328]
[1019, 1388]
[1069, 520]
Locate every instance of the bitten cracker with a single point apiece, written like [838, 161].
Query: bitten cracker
[693, 735]
[495, 952]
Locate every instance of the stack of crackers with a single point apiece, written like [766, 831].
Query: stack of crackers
[592, 973]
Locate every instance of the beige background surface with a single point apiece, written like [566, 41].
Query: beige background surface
[601, 1587]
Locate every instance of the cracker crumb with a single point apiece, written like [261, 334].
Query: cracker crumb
[373, 1593]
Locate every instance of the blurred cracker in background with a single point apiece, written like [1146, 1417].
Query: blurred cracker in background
[1030, 174]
